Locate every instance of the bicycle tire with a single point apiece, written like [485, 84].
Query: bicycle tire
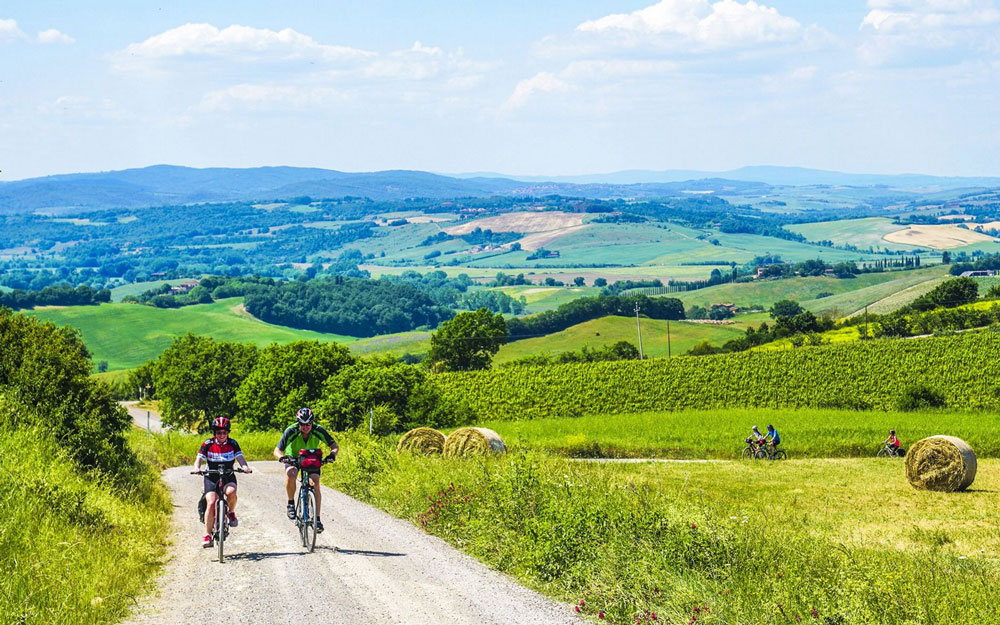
[882, 453]
[747, 453]
[779, 455]
[309, 527]
[760, 454]
[299, 517]
[220, 528]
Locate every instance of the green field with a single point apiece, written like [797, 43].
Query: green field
[830, 541]
[719, 434]
[848, 296]
[137, 288]
[861, 233]
[127, 335]
[608, 330]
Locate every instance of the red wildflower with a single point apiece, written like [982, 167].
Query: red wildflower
[600, 614]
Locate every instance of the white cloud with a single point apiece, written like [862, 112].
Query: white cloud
[707, 26]
[10, 32]
[928, 32]
[268, 97]
[542, 82]
[52, 35]
[233, 43]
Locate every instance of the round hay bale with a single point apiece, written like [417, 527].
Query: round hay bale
[941, 463]
[473, 442]
[424, 441]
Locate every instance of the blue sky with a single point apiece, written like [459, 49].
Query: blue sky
[553, 88]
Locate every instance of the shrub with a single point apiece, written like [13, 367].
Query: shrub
[919, 397]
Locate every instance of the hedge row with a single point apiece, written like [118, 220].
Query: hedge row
[964, 369]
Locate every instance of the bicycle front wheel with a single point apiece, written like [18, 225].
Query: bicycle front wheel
[882, 453]
[309, 523]
[779, 455]
[760, 454]
[220, 527]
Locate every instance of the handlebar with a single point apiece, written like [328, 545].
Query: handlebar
[217, 472]
[294, 462]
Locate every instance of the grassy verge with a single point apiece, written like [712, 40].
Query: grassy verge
[805, 433]
[825, 541]
[73, 549]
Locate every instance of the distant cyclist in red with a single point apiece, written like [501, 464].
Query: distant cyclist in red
[220, 452]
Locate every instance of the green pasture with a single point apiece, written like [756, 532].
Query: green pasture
[719, 434]
[127, 335]
[542, 298]
[861, 233]
[137, 288]
[828, 541]
[415, 342]
[565, 274]
[608, 330]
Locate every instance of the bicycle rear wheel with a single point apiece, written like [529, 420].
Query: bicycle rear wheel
[220, 527]
[760, 454]
[747, 453]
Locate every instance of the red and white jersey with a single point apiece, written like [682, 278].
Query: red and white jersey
[220, 455]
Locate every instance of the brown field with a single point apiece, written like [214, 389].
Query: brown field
[541, 239]
[937, 237]
[521, 222]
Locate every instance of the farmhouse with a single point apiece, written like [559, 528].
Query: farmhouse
[184, 287]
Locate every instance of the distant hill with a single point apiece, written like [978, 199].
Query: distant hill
[167, 184]
[776, 176]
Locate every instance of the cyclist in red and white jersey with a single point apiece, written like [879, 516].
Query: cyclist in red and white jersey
[220, 452]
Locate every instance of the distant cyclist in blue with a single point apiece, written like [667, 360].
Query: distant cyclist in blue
[773, 437]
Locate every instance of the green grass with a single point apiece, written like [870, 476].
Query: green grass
[864, 289]
[127, 335]
[805, 433]
[609, 330]
[74, 549]
[861, 233]
[542, 298]
[137, 288]
[755, 543]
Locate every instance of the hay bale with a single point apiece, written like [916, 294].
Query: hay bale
[424, 441]
[941, 463]
[473, 442]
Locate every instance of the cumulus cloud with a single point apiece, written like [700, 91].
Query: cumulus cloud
[542, 82]
[268, 97]
[699, 23]
[928, 32]
[10, 32]
[52, 35]
[233, 43]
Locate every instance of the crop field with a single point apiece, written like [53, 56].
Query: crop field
[565, 274]
[521, 222]
[608, 330]
[542, 298]
[719, 434]
[938, 237]
[127, 335]
[392, 344]
[861, 233]
[734, 543]
[137, 288]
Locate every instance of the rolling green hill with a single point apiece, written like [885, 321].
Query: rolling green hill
[683, 336]
[126, 335]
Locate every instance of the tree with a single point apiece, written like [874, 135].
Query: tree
[469, 341]
[600, 282]
[945, 257]
[578, 281]
[196, 379]
[355, 389]
[785, 308]
[286, 378]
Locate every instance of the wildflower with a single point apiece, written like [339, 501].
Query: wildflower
[693, 526]
[814, 613]
[779, 575]
[96, 602]
[577, 608]
[600, 614]
[583, 602]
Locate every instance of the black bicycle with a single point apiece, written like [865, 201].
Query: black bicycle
[306, 518]
[221, 530]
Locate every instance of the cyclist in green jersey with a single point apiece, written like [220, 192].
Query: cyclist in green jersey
[304, 435]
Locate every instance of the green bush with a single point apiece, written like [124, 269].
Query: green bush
[919, 397]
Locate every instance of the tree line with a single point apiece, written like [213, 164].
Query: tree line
[588, 308]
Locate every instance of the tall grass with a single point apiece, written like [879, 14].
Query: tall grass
[757, 543]
[73, 548]
[805, 433]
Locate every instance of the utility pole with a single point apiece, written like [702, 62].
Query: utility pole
[638, 329]
[668, 338]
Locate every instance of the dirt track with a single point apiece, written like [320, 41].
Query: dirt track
[368, 567]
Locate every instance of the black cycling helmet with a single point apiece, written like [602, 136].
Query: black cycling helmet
[770, 427]
[304, 416]
[893, 432]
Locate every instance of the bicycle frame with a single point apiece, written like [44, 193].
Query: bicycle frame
[221, 530]
[306, 518]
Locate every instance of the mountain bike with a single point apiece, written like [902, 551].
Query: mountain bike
[753, 451]
[773, 454]
[305, 501]
[221, 530]
[888, 451]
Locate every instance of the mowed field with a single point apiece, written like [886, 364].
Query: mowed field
[609, 330]
[861, 233]
[127, 335]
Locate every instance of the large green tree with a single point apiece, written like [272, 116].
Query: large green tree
[356, 389]
[196, 380]
[286, 378]
[469, 341]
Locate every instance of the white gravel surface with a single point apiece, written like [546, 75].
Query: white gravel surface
[139, 416]
[368, 567]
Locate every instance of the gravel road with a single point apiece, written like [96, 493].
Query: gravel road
[368, 567]
[139, 416]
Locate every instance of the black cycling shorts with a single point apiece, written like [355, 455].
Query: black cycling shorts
[211, 481]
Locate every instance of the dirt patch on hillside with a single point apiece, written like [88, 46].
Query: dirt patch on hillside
[541, 239]
[521, 222]
[937, 237]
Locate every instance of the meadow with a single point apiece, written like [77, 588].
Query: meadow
[861, 233]
[719, 434]
[127, 335]
[748, 543]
